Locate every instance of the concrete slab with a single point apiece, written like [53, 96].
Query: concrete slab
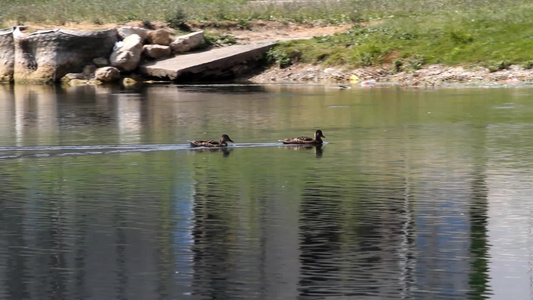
[206, 64]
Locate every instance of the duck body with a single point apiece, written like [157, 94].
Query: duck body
[223, 142]
[305, 140]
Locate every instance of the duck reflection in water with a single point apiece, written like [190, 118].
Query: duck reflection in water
[318, 148]
[225, 150]
[223, 142]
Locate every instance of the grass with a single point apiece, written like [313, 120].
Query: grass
[405, 34]
[330, 11]
[99, 11]
[480, 36]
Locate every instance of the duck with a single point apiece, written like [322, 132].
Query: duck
[223, 142]
[317, 140]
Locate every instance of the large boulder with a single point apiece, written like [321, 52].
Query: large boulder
[125, 31]
[46, 56]
[107, 74]
[127, 56]
[159, 36]
[187, 42]
[156, 51]
[7, 55]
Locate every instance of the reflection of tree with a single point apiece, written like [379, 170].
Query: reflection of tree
[80, 255]
[320, 239]
[35, 240]
[478, 222]
[57, 258]
[53, 233]
[347, 239]
[12, 232]
[119, 223]
[211, 233]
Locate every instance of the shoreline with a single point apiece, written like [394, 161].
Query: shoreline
[427, 76]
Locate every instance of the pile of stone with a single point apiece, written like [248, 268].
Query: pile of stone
[104, 56]
[134, 45]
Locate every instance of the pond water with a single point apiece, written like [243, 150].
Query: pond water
[418, 193]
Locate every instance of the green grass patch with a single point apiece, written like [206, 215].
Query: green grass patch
[494, 38]
[173, 11]
[405, 33]
[330, 11]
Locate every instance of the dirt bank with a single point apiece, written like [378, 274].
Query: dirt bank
[429, 76]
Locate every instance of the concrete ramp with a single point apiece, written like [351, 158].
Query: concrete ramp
[215, 64]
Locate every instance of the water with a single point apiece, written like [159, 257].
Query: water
[418, 194]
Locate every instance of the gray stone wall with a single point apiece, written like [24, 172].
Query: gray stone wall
[46, 56]
[7, 55]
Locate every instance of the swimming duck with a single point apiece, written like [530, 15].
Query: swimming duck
[223, 142]
[317, 140]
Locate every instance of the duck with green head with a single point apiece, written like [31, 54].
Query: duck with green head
[316, 140]
[223, 142]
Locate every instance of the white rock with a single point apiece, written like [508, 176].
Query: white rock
[156, 51]
[128, 56]
[187, 42]
[126, 31]
[107, 74]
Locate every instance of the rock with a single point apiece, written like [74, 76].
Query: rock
[94, 82]
[71, 76]
[101, 62]
[125, 31]
[128, 82]
[128, 56]
[7, 55]
[156, 51]
[89, 70]
[187, 42]
[159, 36]
[76, 82]
[46, 56]
[107, 74]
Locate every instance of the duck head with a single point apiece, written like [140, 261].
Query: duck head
[318, 135]
[225, 138]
